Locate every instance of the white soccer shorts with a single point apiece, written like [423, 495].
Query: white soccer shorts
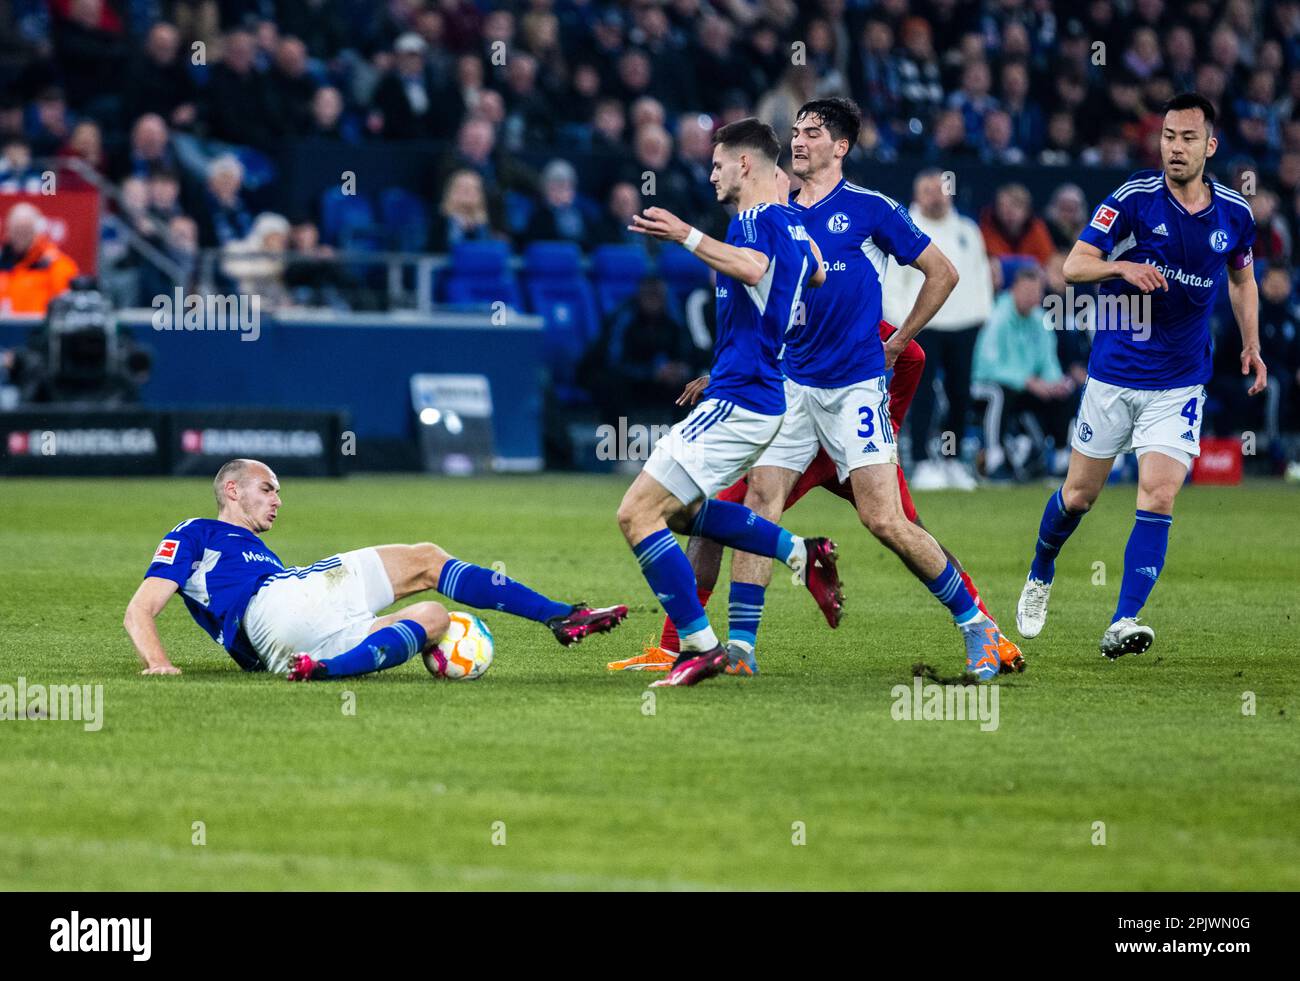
[1113, 420]
[708, 450]
[322, 609]
[852, 423]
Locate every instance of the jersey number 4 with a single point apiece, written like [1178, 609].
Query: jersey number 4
[1189, 412]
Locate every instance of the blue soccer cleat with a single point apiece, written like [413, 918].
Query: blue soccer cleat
[982, 639]
[740, 660]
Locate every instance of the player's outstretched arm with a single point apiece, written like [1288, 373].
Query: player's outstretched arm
[746, 265]
[1086, 264]
[940, 278]
[1243, 294]
[140, 623]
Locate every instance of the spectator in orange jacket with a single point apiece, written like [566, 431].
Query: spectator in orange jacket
[1010, 226]
[33, 270]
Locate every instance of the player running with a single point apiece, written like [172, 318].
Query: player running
[706, 556]
[318, 621]
[835, 369]
[762, 270]
[1177, 232]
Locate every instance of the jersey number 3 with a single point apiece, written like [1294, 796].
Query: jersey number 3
[866, 422]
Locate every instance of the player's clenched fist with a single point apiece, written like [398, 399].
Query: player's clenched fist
[1145, 277]
[660, 223]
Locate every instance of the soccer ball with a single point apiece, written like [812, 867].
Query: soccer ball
[465, 651]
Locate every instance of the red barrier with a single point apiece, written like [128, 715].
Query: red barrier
[1220, 461]
[73, 216]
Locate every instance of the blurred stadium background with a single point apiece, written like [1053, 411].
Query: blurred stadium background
[428, 201]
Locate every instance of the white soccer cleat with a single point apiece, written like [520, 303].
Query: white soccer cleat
[1126, 636]
[928, 476]
[1031, 611]
[959, 478]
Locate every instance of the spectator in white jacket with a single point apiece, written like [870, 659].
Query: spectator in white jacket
[948, 339]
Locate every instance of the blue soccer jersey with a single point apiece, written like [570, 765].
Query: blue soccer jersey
[753, 320]
[1142, 222]
[218, 567]
[857, 230]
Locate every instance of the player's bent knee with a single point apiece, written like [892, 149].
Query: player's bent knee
[1076, 499]
[766, 501]
[1158, 498]
[431, 616]
[431, 559]
[628, 515]
[885, 526]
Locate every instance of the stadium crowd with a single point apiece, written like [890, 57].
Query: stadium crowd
[183, 108]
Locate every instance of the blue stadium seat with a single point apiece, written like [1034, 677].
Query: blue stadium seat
[615, 272]
[480, 273]
[344, 215]
[682, 271]
[405, 218]
[557, 290]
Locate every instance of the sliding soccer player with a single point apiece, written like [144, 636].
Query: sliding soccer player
[762, 271]
[1159, 246]
[706, 556]
[318, 621]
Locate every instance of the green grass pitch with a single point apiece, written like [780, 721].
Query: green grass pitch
[714, 788]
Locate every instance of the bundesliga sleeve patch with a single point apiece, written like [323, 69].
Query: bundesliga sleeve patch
[1104, 218]
[166, 551]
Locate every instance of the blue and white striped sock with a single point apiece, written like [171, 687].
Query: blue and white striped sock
[385, 648]
[488, 590]
[949, 590]
[744, 613]
[668, 571]
[1144, 558]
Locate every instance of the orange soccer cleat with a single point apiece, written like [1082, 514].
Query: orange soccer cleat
[653, 659]
[1011, 661]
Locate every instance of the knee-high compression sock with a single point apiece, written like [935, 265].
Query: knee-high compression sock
[1057, 525]
[975, 593]
[739, 527]
[385, 648]
[745, 611]
[1144, 557]
[668, 571]
[668, 639]
[488, 590]
[949, 590]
